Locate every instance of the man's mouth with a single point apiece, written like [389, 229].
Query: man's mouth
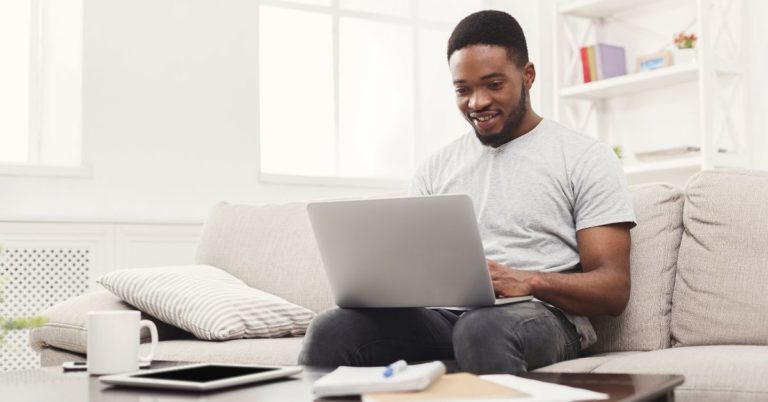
[484, 120]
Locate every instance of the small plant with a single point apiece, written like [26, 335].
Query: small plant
[617, 151]
[683, 41]
[10, 324]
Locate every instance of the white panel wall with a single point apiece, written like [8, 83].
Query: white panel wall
[169, 117]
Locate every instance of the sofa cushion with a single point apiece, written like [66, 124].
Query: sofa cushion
[278, 351]
[583, 364]
[645, 323]
[720, 292]
[269, 247]
[65, 328]
[208, 302]
[712, 373]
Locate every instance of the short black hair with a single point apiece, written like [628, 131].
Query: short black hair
[491, 27]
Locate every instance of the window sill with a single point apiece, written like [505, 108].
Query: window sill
[22, 170]
[271, 178]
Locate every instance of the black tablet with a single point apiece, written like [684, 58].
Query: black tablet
[201, 377]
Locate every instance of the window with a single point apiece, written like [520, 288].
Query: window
[355, 91]
[40, 73]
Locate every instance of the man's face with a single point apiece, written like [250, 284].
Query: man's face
[490, 92]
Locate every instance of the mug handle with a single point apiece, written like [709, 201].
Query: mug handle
[153, 334]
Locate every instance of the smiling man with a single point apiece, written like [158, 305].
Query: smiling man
[554, 214]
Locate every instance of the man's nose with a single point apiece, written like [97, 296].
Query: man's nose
[479, 100]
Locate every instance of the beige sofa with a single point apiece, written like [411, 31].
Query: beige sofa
[698, 307]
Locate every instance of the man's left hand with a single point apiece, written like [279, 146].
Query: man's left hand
[510, 282]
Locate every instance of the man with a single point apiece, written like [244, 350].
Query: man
[554, 215]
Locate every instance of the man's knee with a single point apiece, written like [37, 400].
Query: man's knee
[483, 326]
[328, 338]
[495, 339]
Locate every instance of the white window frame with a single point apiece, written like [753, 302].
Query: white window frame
[336, 12]
[33, 166]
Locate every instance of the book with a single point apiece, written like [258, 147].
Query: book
[592, 63]
[584, 64]
[610, 60]
[602, 61]
[451, 387]
[360, 380]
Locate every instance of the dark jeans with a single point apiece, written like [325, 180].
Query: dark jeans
[502, 339]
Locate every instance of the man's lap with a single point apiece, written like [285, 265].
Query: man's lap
[380, 336]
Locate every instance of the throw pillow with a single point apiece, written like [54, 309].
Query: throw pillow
[208, 302]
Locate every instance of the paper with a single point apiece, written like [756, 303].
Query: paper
[359, 380]
[540, 391]
[452, 387]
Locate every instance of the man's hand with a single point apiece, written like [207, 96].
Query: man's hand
[509, 282]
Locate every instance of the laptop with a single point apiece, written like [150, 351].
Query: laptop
[404, 252]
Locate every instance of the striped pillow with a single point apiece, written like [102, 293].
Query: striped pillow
[208, 302]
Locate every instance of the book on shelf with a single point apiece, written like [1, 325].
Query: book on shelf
[585, 64]
[602, 61]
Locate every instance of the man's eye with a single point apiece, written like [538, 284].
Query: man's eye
[495, 85]
[461, 91]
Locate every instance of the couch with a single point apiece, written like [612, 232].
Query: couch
[698, 305]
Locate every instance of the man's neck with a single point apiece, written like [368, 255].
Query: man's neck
[530, 121]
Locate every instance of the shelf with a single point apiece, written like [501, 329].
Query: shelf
[633, 83]
[670, 164]
[601, 8]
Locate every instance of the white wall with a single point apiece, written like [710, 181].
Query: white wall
[169, 117]
[757, 32]
[169, 111]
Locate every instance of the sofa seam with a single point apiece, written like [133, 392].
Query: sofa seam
[63, 325]
[667, 254]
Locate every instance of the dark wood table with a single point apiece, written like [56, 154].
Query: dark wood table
[619, 387]
[52, 384]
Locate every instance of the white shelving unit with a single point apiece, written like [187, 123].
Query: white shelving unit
[717, 75]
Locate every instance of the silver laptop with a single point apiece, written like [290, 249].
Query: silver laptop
[404, 252]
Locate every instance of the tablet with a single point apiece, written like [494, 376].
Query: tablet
[200, 377]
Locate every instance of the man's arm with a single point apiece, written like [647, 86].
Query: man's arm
[603, 287]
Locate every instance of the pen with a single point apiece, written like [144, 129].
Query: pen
[395, 368]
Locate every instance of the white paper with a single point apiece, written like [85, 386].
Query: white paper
[540, 391]
[359, 380]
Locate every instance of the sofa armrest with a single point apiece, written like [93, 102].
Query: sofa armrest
[66, 330]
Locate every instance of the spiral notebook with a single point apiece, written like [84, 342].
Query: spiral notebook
[361, 380]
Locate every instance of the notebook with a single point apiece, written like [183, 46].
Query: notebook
[360, 380]
[452, 387]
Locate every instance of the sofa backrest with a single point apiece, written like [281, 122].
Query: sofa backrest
[721, 290]
[269, 247]
[645, 323]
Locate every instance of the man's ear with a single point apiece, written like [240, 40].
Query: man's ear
[529, 75]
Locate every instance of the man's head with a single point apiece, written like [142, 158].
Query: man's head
[488, 58]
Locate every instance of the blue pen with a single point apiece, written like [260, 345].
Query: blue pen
[395, 368]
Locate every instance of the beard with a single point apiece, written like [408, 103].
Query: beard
[514, 120]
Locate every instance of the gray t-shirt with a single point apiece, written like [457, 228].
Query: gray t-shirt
[532, 194]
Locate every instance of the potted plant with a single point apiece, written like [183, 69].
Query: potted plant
[685, 48]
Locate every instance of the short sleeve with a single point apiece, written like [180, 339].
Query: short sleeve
[600, 190]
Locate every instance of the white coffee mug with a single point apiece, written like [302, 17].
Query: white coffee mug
[113, 341]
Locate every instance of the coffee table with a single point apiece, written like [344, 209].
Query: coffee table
[51, 384]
